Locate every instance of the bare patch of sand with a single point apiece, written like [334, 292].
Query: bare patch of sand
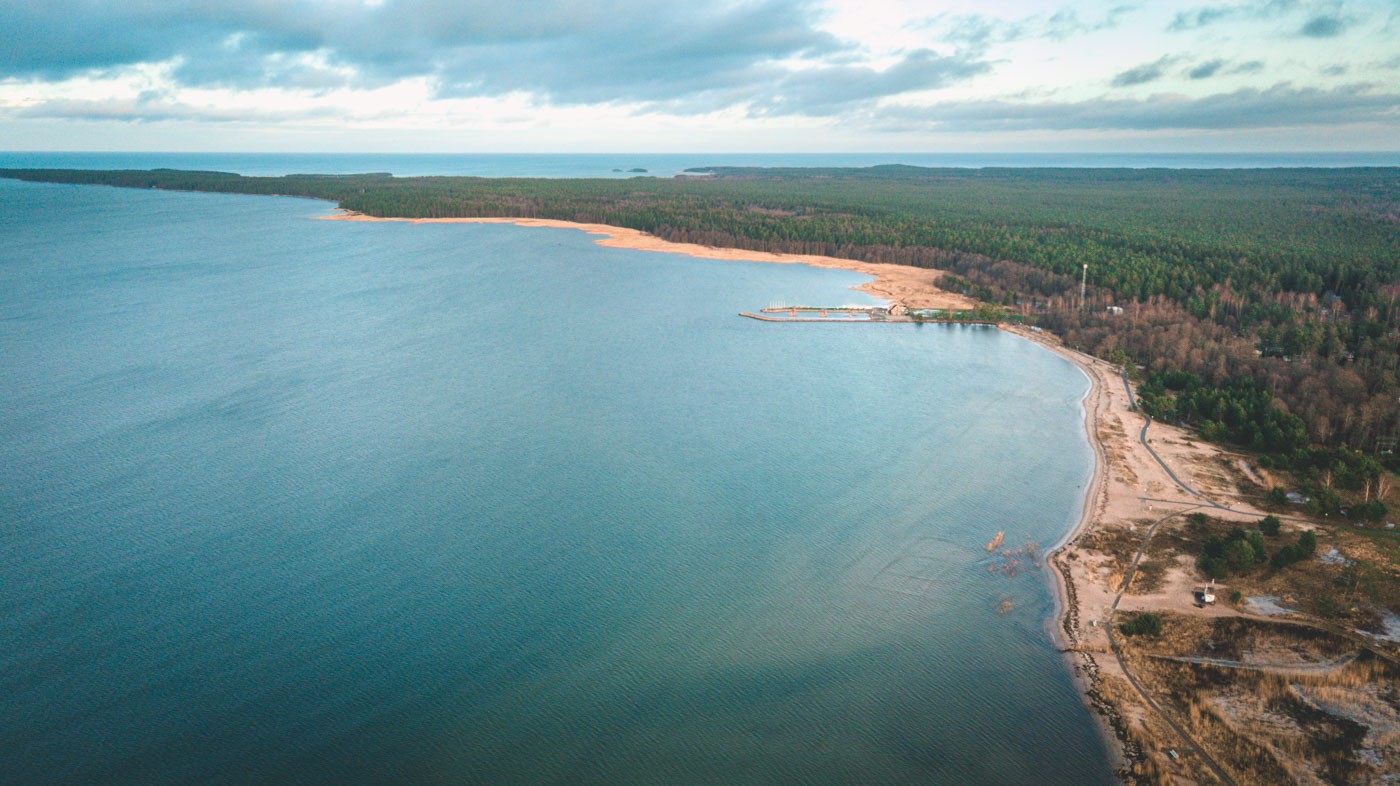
[909, 286]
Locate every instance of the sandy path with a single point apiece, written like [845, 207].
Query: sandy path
[910, 286]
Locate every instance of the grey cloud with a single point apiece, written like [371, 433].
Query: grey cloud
[770, 90]
[1220, 67]
[1143, 74]
[1201, 17]
[824, 91]
[63, 37]
[1209, 15]
[1281, 106]
[1206, 70]
[561, 50]
[244, 63]
[978, 30]
[1326, 26]
[636, 62]
[1066, 23]
[145, 109]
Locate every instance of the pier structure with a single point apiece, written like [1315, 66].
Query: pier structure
[894, 313]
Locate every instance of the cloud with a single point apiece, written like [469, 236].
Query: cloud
[980, 30]
[1205, 70]
[147, 109]
[765, 57]
[1206, 16]
[828, 90]
[1219, 67]
[561, 50]
[1325, 26]
[1281, 106]
[1143, 74]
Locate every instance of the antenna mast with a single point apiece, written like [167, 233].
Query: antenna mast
[1083, 283]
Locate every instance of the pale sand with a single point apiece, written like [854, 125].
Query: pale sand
[910, 286]
[1129, 491]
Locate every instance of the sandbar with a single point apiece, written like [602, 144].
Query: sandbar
[912, 287]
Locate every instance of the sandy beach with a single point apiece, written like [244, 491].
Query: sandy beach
[910, 286]
[1129, 493]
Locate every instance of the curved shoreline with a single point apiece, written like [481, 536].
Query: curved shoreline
[1063, 624]
[912, 287]
[1109, 497]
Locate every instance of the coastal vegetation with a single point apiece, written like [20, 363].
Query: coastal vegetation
[1241, 551]
[1341, 577]
[1261, 304]
[1273, 702]
[1145, 624]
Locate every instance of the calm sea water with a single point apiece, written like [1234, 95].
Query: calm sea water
[294, 501]
[656, 165]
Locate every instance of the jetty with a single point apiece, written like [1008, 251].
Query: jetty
[895, 313]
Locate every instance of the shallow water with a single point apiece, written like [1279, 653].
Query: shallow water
[297, 501]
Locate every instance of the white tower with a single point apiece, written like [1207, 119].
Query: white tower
[1083, 284]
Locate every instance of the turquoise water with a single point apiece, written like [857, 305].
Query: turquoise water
[285, 500]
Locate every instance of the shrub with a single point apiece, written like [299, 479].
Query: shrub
[1304, 548]
[1284, 557]
[1239, 554]
[1144, 624]
[1307, 544]
[1369, 511]
[1256, 542]
[1269, 525]
[1215, 567]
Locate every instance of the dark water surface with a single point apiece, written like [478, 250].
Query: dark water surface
[285, 500]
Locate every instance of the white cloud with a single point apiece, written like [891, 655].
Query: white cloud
[561, 75]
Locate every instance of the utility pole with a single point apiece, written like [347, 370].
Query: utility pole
[1083, 284]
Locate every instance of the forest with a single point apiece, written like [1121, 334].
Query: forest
[1260, 304]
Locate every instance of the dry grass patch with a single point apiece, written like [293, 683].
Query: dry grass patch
[1276, 726]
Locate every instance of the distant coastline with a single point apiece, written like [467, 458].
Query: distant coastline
[910, 286]
[662, 165]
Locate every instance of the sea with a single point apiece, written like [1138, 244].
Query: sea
[623, 165]
[285, 500]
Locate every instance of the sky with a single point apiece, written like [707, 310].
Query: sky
[652, 76]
